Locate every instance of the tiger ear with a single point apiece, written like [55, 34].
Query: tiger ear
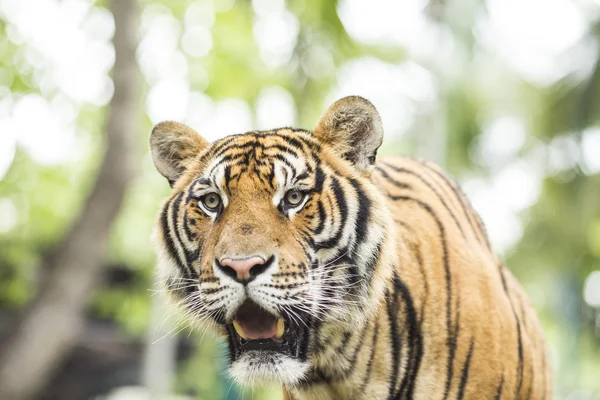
[352, 128]
[172, 146]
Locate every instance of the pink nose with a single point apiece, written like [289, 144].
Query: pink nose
[242, 267]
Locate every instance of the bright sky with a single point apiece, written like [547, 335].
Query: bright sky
[68, 45]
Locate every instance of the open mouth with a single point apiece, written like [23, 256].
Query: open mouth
[253, 323]
[254, 328]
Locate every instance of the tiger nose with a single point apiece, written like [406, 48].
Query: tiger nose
[244, 270]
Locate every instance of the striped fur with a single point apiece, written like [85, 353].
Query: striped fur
[389, 270]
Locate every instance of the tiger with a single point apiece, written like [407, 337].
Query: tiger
[337, 275]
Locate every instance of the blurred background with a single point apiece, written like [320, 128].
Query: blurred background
[503, 93]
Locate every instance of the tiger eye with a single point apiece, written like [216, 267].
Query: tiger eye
[294, 197]
[211, 201]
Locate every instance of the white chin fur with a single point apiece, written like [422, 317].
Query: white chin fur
[259, 368]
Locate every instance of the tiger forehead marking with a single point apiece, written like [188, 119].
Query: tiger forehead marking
[339, 277]
[271, 160]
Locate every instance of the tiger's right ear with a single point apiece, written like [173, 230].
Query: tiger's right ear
[352, 128]
[173, 145]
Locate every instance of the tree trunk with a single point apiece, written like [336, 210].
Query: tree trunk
[55, 317]
[161, 350]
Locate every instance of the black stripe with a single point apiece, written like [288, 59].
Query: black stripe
[292, 139]
[456, 329]
[464, 376]
[239, 148]
[481, 225]
[222, 143]
[451, 342]
[522, 311]
[392, 310]
[284, 160]
[301, 144]
[227, 174]
[369, 372]
[271, 178]
[357, 348]
[532, 376]
[415, 341]
[503, 279]
[166, 233]
[434, 190]
[319, 179]
[198, 184]
[316, 377]
[363, 217]
[519, 338]
[237, 158]
[520, 352]
[190, 256]
[499, 389]
[303, 340]
[233, 353]
[306, 149]
[213, 291]
[264, 178]
[342, 207]
[343, 258]
[284, 149]
[191, 236]
[322, 218]
[397, 183]
[415, 247]
[343, 344]
[303, 175]
[374, 254]
[464, 203]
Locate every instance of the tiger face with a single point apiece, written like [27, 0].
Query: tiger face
[273, 238]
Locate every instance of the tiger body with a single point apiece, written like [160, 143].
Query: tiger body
[455, 324]
[379, 274]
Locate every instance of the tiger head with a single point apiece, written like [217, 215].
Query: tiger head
[275, 239]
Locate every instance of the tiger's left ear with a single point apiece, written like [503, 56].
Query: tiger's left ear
[352, 128]
[173, 145]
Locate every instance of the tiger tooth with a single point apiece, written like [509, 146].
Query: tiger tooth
[280, 329]
[239, 330]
